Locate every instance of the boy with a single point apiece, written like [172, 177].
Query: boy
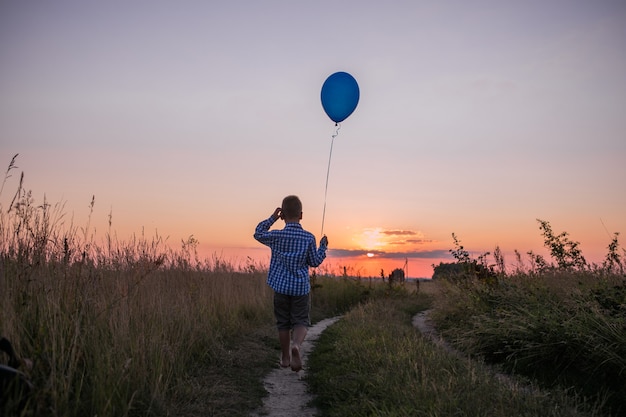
[294, 250]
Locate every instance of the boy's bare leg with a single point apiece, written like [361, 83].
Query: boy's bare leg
[299, 333]
[284, 336]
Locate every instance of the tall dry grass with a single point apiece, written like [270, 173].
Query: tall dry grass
[561, 328]
[106, 342]
[111, 326]
[134, 327]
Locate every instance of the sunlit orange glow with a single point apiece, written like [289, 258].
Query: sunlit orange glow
[363, 266]
[369, 239]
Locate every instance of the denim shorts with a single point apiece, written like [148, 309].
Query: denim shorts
[292, 310]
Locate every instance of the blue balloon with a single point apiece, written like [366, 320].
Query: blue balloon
[340, 96]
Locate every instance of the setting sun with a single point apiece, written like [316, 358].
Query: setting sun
[370, 255]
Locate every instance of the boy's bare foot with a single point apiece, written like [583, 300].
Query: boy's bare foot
[284, 363]
[296, 361]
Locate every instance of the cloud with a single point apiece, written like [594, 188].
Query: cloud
[419, 241]
[411, 242]
[392, 243]
[405, 237]
[352, 253]
[399, 232]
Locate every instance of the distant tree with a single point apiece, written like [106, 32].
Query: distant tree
[564, 251]
[465, 267]
[397, 275]
[448, 270]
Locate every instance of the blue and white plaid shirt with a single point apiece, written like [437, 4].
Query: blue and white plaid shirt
[294, 250]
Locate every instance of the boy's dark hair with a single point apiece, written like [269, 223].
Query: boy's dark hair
[292, 207]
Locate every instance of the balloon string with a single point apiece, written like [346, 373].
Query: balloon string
[332, 140]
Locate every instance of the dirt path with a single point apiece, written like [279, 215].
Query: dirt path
[421, 321]
[288, 395]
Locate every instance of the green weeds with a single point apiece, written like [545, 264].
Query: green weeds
[561, 323]
[373, 362]
[565, 330]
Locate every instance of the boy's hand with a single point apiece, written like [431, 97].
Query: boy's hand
[324, 241]
[277, 213]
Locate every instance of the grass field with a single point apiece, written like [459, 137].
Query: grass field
[144, 340]
[135, 328]
[562, 329]
[374, 363]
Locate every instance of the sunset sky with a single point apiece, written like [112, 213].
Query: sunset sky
[197, 118]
